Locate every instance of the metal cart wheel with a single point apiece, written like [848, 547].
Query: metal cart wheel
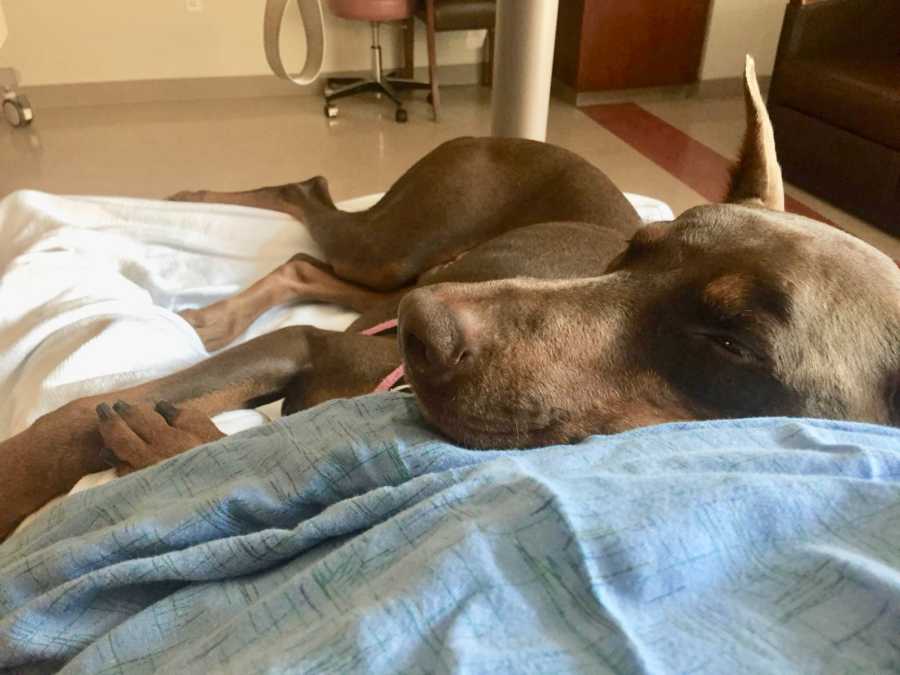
[18, 111]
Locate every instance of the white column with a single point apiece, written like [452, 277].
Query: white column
[523, 67]
[3, 29]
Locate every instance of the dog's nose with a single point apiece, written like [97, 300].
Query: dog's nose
[438, 336]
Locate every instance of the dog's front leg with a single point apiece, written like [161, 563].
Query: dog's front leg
[49, 457]
[137, 436]
[302, 278]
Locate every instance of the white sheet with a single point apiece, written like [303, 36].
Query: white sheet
[90, 287]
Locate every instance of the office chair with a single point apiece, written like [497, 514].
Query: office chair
[375, 12]
[450, 15]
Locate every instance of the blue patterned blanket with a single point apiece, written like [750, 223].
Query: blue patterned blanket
[349, 538]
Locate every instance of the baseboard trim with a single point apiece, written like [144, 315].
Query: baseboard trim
[211, 88]
[260, 86]
[706, 89]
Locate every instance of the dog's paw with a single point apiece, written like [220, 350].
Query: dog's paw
[188, 196]
[216, 328]
[138, 436]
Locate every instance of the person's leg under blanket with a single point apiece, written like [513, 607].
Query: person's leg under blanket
[350, 536]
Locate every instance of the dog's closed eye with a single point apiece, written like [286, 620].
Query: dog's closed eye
[732, 347]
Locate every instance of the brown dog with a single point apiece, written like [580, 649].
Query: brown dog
[532, 310]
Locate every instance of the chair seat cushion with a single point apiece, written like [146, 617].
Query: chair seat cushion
[372, 10]
[860, 95]
[461, 14]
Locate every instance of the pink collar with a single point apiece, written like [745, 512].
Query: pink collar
[380, 327]
[394, 376]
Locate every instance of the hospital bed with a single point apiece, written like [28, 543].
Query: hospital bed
[351, 538]
[90, 288]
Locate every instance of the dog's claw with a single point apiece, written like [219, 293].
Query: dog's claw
[109, 457]
[104, 412]
[167, 410]
[120, 406]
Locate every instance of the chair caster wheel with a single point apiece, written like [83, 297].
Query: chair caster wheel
[400, 115]
[331, 111]
[17, 110]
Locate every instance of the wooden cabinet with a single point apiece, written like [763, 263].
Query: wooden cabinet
[624, 44]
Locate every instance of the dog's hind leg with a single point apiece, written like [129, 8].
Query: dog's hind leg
[460, 195]
[302, 278]
[295, 199]
[355, 243]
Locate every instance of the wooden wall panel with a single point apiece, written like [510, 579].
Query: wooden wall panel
[624, 44]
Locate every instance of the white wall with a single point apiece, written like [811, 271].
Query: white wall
[739, 27]
[70, 41]
[66, 41]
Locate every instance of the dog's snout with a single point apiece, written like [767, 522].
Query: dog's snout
[439, 337]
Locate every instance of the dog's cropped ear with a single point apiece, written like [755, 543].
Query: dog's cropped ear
[756, 179]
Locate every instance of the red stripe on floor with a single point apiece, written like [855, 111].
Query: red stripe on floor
[696, 165]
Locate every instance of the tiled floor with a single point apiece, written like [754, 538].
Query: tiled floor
[151, 150]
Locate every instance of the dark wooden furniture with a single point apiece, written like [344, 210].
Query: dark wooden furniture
[624, 44]
[835, 104]
[447, 15]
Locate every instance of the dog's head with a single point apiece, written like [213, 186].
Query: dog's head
[731, 310]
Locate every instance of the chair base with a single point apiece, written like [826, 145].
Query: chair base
[380, 84]
[342, 87]
[16, 107]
